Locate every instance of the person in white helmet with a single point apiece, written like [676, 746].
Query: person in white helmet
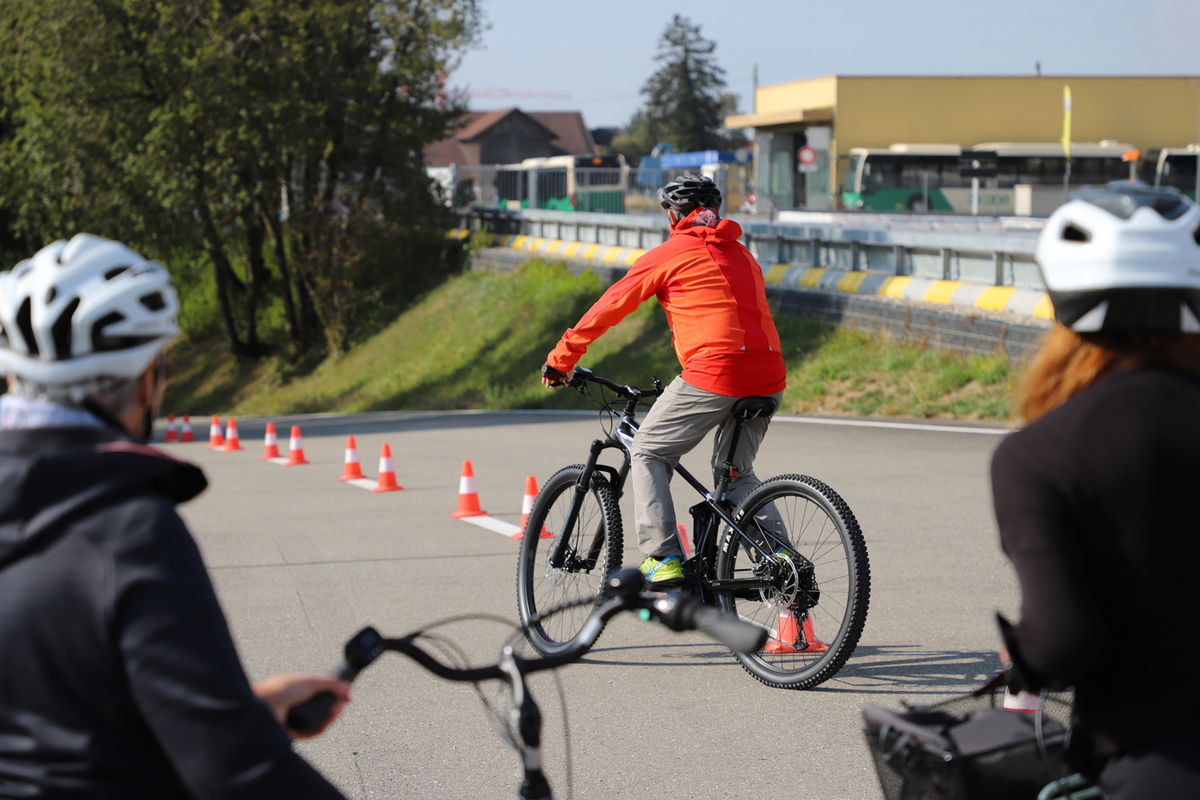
[1095, 496]
[118, 675]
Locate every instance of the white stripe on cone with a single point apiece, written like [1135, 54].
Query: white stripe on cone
[270, 439]
[466, 484]
[385, 464]
[527, 504]
[294, 443]
[352, 455]
[1021, 701]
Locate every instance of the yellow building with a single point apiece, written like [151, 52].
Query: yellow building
[834, 113]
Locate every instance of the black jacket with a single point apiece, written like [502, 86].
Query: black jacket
[118, 676]
[1096, 503]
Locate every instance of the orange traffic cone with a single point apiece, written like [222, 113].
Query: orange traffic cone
[527, 501]
[684, 544]
[387, 475]
[270, 443]
[172, 436]
[215, 439]
[232, 440]
[187, 430]
[468, 498]
[353, 470]
[787, 633]
[295, 449]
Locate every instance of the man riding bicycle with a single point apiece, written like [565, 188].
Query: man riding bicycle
[712, 291]
[118, 675]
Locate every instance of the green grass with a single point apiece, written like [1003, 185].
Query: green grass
[840, 371]
[478, 340]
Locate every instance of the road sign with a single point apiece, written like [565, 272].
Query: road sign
[806, 155]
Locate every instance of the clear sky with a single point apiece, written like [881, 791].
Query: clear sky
[595, 57]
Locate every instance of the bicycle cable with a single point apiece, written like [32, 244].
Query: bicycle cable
[501, 722]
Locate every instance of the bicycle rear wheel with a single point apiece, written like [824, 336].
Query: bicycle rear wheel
[817, 605]
[592, 550]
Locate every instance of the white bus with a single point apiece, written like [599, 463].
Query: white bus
[564, 183]
[1177, 167]
[925, 177]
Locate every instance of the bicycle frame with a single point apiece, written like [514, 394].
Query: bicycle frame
[621, 438]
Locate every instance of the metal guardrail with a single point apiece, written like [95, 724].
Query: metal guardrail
[987, 250]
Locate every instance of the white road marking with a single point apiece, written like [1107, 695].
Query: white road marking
[904, 426]
[495, 525]
[362, 483]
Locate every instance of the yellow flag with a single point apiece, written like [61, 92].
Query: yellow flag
[1066, 137]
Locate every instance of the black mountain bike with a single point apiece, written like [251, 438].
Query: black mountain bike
[789, 558]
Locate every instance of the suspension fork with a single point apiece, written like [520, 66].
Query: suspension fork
[582, 486]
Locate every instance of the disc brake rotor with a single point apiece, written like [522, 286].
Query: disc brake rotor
[786, 584]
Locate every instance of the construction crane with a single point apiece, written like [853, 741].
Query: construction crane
[512, 93]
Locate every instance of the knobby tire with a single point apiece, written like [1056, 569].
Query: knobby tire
[814, 521]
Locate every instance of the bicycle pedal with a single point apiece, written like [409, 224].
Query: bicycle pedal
[664, 586]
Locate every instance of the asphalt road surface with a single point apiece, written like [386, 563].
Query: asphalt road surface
[302, 561]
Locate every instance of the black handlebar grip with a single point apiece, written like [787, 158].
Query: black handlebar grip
[683, 613]
[360, 651]
[741, 637]
[311, 714]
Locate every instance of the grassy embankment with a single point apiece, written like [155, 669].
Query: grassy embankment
[477, 341]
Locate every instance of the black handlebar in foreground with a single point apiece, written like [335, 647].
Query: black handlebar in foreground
[623, 589]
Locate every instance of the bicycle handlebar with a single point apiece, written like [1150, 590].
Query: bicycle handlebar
[583, 376]
[679, 612]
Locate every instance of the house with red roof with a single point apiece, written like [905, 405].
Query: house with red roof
[510, 135]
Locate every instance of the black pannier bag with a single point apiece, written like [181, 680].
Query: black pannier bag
[969, 748]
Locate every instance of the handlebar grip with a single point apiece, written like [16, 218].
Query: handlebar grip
[741, 637]
[683, 613]
[311, 714]
[362, 649]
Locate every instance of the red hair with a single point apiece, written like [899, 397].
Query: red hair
[1070, 362]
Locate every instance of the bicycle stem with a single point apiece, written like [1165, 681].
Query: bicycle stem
[528, 719]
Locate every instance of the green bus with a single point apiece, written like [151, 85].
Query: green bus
[921, 178]
[564, 183]
[1177, 167]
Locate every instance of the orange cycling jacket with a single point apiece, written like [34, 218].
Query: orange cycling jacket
[712, 290]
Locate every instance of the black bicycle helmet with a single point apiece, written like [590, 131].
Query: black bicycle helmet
[684, 195]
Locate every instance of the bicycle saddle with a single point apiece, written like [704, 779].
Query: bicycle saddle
[751, 407]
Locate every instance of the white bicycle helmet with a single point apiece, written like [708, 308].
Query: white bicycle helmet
[84, 309]
[1124, 257]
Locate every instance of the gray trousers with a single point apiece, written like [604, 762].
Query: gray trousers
[676, 423]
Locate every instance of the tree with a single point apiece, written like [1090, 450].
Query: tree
[685, 99]
[260, 132]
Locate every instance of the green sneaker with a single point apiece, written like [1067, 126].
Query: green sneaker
[662, 571]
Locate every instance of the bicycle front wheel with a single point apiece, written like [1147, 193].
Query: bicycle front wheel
[819, 580]
[590, 550]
